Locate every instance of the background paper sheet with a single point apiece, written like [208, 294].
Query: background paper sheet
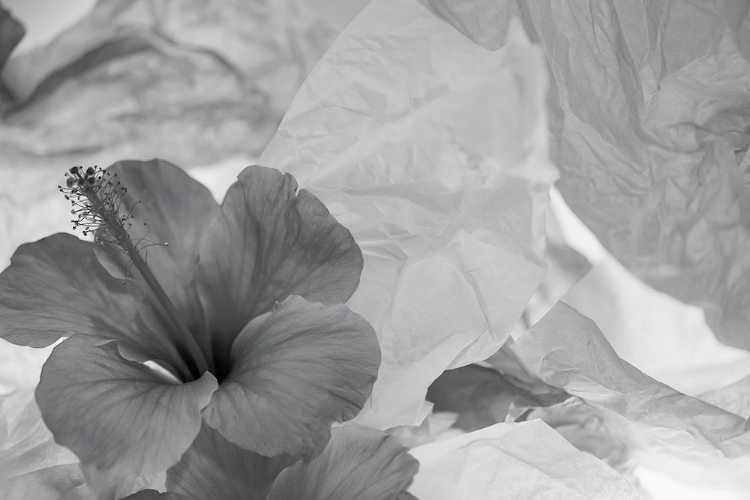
[650, 111]
[433, 151]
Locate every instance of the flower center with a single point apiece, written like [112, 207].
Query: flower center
[96, 199]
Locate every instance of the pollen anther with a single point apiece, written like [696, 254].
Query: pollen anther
[96, 204]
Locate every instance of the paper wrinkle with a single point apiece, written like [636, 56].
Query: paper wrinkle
[32, 465]
[435, 427]
[661, 336]
[734, 398]
[514, 461]
[432, 151]
[139, 79]
[580, 424]
[566, 267]
[568, 351]
[649, 111]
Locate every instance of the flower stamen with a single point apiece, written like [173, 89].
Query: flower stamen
[96, 196]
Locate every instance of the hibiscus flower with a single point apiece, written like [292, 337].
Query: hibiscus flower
[184, 314]
[361, 464]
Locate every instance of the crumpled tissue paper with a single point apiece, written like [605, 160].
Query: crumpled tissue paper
[661, 336]
[666, 431]
[516, 461]
[191, 81]
[32, 465]
[433, 151]
[649, 111]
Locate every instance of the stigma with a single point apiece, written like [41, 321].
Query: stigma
[96, 199]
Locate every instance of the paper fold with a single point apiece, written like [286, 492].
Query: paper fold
[514, 461]
[665, 430]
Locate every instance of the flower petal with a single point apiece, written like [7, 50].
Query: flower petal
[295, 372]
[55, 287]
[167, 206]
[357, 463]
[215, 468]
[116, 414]
[270, 242]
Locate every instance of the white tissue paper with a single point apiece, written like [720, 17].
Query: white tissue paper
[32, 465]
[658, 334]
[192, 81]
[661, 336]
[667, 433]
[518, 461]
[649, 111]
[433, 151]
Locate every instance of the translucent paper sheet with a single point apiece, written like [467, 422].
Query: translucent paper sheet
[658, 334]
[432, 151]
[734, 398]
[661, 336]
[649, 111]
[32, 465]
[676, 435]
[514, 461]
